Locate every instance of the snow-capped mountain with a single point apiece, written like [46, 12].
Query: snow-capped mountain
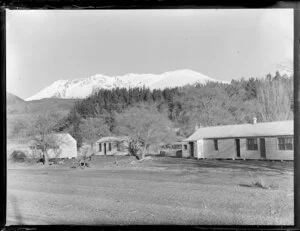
[81, 88]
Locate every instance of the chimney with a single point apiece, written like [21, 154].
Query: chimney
[197, 126]
[254, 120]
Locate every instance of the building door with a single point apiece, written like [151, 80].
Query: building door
[191, 149]
[104, 148]
[179, 153]
[262, 144]
[238, 147]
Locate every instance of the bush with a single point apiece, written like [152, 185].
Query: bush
[18, 156]
[162, 153]
[274, 186]
[260, 183]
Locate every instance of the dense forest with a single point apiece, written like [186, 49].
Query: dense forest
[268, 99]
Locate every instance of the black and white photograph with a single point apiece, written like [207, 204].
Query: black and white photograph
[150, 117]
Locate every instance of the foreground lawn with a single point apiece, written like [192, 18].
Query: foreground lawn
[157, 191]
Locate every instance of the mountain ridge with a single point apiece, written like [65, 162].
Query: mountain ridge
[83, 87]
[13, 99]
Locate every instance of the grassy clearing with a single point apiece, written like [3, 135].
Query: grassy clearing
[160, 190]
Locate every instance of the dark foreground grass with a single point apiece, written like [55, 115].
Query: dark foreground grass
[156, 191]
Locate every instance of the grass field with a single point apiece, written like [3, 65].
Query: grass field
[161, 190]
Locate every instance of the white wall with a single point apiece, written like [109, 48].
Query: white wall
[68, 148]
[226, 149]
[198, 149]
[249, 154]
[273, 153]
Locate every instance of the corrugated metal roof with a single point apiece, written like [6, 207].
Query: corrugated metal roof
[113, 138]
[278, 128]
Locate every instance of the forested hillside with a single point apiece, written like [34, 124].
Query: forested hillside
[19, 113]
[268, 99]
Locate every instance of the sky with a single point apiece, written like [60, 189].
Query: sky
[48, 45]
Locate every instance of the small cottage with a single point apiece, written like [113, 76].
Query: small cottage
[112, 146]
[272, 141]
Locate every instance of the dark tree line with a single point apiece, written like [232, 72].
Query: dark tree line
[116, 100]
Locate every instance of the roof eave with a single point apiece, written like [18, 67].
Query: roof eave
[236, 137]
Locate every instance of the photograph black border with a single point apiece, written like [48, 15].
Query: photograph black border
[150, 4]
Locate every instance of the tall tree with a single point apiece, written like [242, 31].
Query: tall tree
[273, 98]
[43, 134]
[93, 129]
[146, 127]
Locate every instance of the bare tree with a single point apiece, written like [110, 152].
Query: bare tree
[93, 129]
[274, 102]
[42, 133]
[146, 127]
[55, 142]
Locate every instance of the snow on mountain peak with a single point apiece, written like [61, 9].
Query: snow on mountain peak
[83, 87]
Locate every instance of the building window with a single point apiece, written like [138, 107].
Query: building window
[285, 143]
[109, 147]
[118, 146]
[252, 144]
[185, 147]
[100, 147]
[176, 146]
[216, 145]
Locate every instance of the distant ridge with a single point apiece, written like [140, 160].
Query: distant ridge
[82, 88]
[13, 99]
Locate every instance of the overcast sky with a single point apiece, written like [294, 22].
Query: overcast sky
[44, 46]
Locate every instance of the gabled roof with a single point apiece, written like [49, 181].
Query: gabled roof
[279, 128]
[112, 138]
[61, 137]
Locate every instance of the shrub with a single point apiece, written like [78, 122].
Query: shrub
[274, 186]
[162, 153]
[18, 156]
[55, 161]
[260, 183]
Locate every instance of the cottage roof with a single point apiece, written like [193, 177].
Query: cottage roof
[279, 128]
[112, 138]
[60, 136]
